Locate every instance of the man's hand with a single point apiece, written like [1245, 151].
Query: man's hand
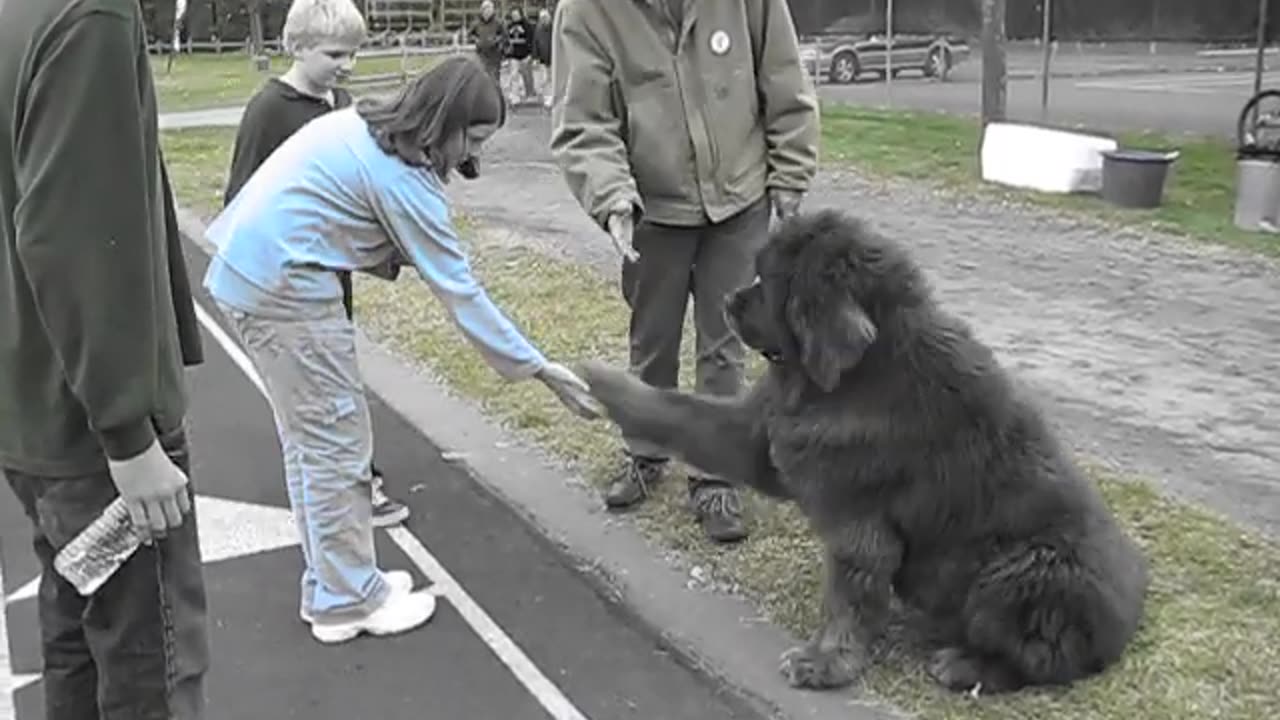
[621, 229]
[785, 203]
[154, 490]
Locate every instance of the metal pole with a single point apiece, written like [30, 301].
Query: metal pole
[1047, 42]
[1259, 62]
[888, 50]
[1262, 46]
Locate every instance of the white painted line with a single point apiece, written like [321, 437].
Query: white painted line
[26, 591]
[1189, 83]
[10, 682]
[232, 349]
[502, 645]
[444, 585]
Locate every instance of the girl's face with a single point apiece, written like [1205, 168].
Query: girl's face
[461, 150]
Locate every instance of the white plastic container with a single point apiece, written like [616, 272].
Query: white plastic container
[1045, 159]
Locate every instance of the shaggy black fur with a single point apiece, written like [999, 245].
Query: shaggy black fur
[922, 467]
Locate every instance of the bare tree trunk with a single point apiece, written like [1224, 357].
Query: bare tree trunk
[994, 70]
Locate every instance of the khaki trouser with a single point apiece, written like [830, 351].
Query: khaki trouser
[708, 262]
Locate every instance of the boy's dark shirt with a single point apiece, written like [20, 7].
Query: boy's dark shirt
[277, 111]
[96, 315]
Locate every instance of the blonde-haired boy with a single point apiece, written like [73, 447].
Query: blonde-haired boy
[323, 37]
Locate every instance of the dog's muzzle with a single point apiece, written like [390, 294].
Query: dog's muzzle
[469, 168]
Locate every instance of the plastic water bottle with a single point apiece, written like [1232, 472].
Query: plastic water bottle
[93, 556]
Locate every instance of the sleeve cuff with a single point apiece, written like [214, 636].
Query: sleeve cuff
[602, 215]
[127, 441]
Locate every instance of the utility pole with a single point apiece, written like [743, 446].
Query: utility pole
[1046, 39]
[994, 70]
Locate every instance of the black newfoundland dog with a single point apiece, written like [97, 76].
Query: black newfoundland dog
[924, 470]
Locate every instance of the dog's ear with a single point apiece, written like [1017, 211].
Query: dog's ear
[833, 332]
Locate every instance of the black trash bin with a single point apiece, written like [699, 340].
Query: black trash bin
[1135, 178]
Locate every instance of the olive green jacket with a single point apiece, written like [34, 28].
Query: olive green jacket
[691, 124]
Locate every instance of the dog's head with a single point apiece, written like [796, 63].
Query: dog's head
[824, 283]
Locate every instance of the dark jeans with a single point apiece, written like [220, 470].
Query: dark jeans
[708, 262]
[137, 649]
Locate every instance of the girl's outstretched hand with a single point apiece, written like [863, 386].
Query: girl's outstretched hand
[570, 389]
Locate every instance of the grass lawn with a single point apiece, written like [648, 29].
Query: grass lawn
[1199, 197]
[206, 80]
[1210, 644]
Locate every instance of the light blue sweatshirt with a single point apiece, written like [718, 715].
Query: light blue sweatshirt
[330, 199]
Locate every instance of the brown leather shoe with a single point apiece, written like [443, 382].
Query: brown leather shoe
[718, 507]
[632, 483]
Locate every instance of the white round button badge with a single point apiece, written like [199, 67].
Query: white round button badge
[719, 42]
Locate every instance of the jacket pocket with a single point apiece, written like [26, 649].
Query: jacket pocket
[660, 151]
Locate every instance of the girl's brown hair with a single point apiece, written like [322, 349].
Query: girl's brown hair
[415, 124]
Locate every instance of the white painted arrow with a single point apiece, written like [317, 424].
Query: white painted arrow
[229, 529]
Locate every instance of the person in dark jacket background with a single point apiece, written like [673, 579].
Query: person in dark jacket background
[520, 47]
[542, 53]
[490, 38]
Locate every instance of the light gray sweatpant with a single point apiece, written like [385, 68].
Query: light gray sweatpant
[310, 372]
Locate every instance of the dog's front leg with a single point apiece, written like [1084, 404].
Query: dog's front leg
[720, 436]
[861, 560]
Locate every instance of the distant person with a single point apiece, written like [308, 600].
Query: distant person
[691, 132]
[96, 326]
[323, 36]
[489, 36]
[542, 46]
[520, 48]
[359, 189]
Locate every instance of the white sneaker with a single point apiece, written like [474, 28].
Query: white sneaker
[399, 580]
[403, 611]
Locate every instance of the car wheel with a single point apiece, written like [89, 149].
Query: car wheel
[938, 64]
[844, 68]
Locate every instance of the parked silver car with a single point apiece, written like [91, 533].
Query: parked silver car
[843, 58]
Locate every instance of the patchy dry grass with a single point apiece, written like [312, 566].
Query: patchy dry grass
[1210, 644]
[199, 81]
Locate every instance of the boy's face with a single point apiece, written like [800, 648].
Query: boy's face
[328, 64]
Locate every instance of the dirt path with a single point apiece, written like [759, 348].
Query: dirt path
[1155, 355]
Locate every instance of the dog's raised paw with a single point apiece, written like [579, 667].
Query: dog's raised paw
[808, 667]
[603, 378]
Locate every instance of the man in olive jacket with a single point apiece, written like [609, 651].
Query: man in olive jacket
[691, 121]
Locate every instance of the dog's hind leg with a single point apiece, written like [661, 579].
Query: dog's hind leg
[1045, 617]
[962, 670]
[719, 436]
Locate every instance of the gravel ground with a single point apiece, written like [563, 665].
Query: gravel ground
[1155, 355]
